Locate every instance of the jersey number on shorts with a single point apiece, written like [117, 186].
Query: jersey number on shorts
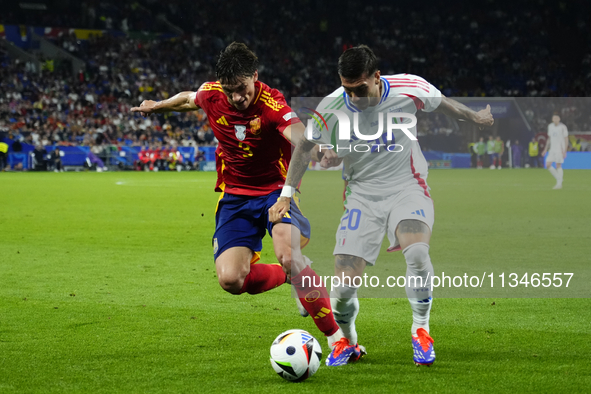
[351, 219]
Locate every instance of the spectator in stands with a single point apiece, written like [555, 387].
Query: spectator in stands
[71, 109]
[490, 150]
[143, 159]
[99, 151]
[3, 154]
[516, 151]
[576, 146]
[92, 160]
[480, 150]
[499, 151]
[55, 160]
[39, 158]
[17, 146]
[533, 153]
[199, 158]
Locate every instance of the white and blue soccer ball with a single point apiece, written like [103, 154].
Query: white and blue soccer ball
[295, 355]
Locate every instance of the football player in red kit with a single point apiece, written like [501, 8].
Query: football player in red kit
[254, 127]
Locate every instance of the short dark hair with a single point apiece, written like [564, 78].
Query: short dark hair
[236, 61]
[357, 61]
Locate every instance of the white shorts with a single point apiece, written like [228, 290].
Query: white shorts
[364, 223]
[555, 157]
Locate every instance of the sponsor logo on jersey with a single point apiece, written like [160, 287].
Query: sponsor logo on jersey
[255, 126]
[240, 132]
[222, 120]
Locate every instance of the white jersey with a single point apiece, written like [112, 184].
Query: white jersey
[380, 167]
[557, 136]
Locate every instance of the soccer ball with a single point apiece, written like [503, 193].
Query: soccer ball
[295, 355]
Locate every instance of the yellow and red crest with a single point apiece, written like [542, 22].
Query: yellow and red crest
[255, 126]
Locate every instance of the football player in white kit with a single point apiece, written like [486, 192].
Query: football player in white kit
[556, 148]
[386, 192]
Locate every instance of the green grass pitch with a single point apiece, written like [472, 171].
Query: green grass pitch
[107, 285]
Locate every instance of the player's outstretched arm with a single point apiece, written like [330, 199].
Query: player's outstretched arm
[457, 110]
[182, 102]
[297, 167]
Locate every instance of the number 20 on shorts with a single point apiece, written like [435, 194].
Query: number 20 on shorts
[351, 219]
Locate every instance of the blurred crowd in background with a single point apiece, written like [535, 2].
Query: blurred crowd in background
[503, 49]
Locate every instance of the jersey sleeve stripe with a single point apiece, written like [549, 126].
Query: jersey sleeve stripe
[419, 81]
[418, 103]
[410, 86]
[417, 176]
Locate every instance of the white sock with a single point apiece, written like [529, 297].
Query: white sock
[345, 307]
[560, 175]
[418, 291]
[553, 172]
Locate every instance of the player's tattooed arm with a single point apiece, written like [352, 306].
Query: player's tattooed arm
[297, 167]
[457, 110]
[181, 102]
[301, 155]
[299, 162]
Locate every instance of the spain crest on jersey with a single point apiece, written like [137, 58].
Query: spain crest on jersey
[255, 126]
[240, 132]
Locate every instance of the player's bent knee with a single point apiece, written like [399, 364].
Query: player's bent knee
[232, 280]
[285, 261]
[231, 284]
[417, 255]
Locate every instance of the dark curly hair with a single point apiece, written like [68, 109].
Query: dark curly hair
[236, 61]
[357, 61]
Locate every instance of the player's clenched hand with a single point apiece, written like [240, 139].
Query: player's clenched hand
[146, 107]
[330, 159]
[484, 117]
[279, 209]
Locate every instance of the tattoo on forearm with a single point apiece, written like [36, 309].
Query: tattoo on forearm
[298, 164]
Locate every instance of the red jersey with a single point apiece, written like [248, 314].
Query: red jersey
[252, 155]
[143, 156]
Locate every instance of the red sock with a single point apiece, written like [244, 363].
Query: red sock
[315, 300]
[263, 277]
